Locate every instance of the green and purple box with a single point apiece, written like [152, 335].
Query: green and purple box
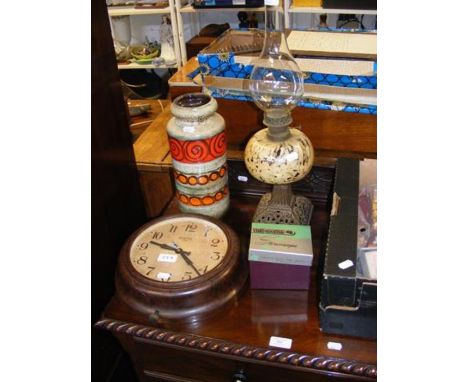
[280, 256]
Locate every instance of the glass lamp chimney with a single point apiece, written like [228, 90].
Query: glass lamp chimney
[276, 82]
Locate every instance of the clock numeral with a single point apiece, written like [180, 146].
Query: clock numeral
[143, 246]
[191, 228]
[163, 277]
[187, 276]
[151, 269]
[215, 242]
[206, 231]
[158, 235]
[142, 260]
[217, 254]
[173, 228]
[203, 270]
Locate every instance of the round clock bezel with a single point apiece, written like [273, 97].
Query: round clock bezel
[232, 245]
[181, 299]
[230, 237]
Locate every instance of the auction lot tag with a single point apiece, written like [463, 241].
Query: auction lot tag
[280, 342]
[345, 264]
[335, 345]
[167, 258]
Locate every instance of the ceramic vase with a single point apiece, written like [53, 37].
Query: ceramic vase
[198, 149]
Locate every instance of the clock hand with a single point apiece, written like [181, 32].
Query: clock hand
[179, 251]
[184, 255]
[164, 246]
[188, 261]
[174, 247]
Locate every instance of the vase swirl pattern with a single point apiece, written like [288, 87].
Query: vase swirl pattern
[198, 148]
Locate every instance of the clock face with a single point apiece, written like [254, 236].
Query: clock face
[178, 249]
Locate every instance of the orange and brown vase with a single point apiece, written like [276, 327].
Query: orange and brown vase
[198, 149]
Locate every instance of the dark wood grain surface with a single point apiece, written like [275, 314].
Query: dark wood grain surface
[257, 315]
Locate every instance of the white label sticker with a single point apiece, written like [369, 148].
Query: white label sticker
[275, 3]
[167, 258]
[334, 346]
[345, 264]
[280, 342]
[242, 178]
[188, 129]
[238, 2]
[163, 276]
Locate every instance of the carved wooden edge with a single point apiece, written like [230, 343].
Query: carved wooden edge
[321, 363]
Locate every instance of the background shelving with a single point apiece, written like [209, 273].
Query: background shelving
[187, 21]
[134, 65]
[189, 9]
[294, 16]
[116, 11]
[130, 11]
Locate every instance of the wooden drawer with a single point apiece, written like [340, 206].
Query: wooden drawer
[172, 363]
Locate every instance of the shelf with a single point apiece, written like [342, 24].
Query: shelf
[189, 9]
[131, 11]
[320, 10]
[134, 65]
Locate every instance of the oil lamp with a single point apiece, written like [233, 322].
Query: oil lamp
[278, 155]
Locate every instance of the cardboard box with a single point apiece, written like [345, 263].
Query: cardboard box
[330, 83]
[280, 256]
[348, 300]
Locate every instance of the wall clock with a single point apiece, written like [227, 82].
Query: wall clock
[180, 266]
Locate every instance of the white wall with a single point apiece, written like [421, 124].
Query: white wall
[140, 26]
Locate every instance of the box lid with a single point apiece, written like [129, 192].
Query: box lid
[281, 244]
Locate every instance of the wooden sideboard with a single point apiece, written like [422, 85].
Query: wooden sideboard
[232, 344]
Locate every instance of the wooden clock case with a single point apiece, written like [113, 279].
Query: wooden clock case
[186, 299]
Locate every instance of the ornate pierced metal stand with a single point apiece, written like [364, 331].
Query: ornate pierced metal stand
[283, 207]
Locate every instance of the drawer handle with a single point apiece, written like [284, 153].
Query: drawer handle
[239, 377]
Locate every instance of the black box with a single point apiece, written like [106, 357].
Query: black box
[349, 4]
[348, 301]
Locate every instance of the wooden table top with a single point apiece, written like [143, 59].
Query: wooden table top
[139, 123]
[256, 315]
[180, 78]
[152, 147]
